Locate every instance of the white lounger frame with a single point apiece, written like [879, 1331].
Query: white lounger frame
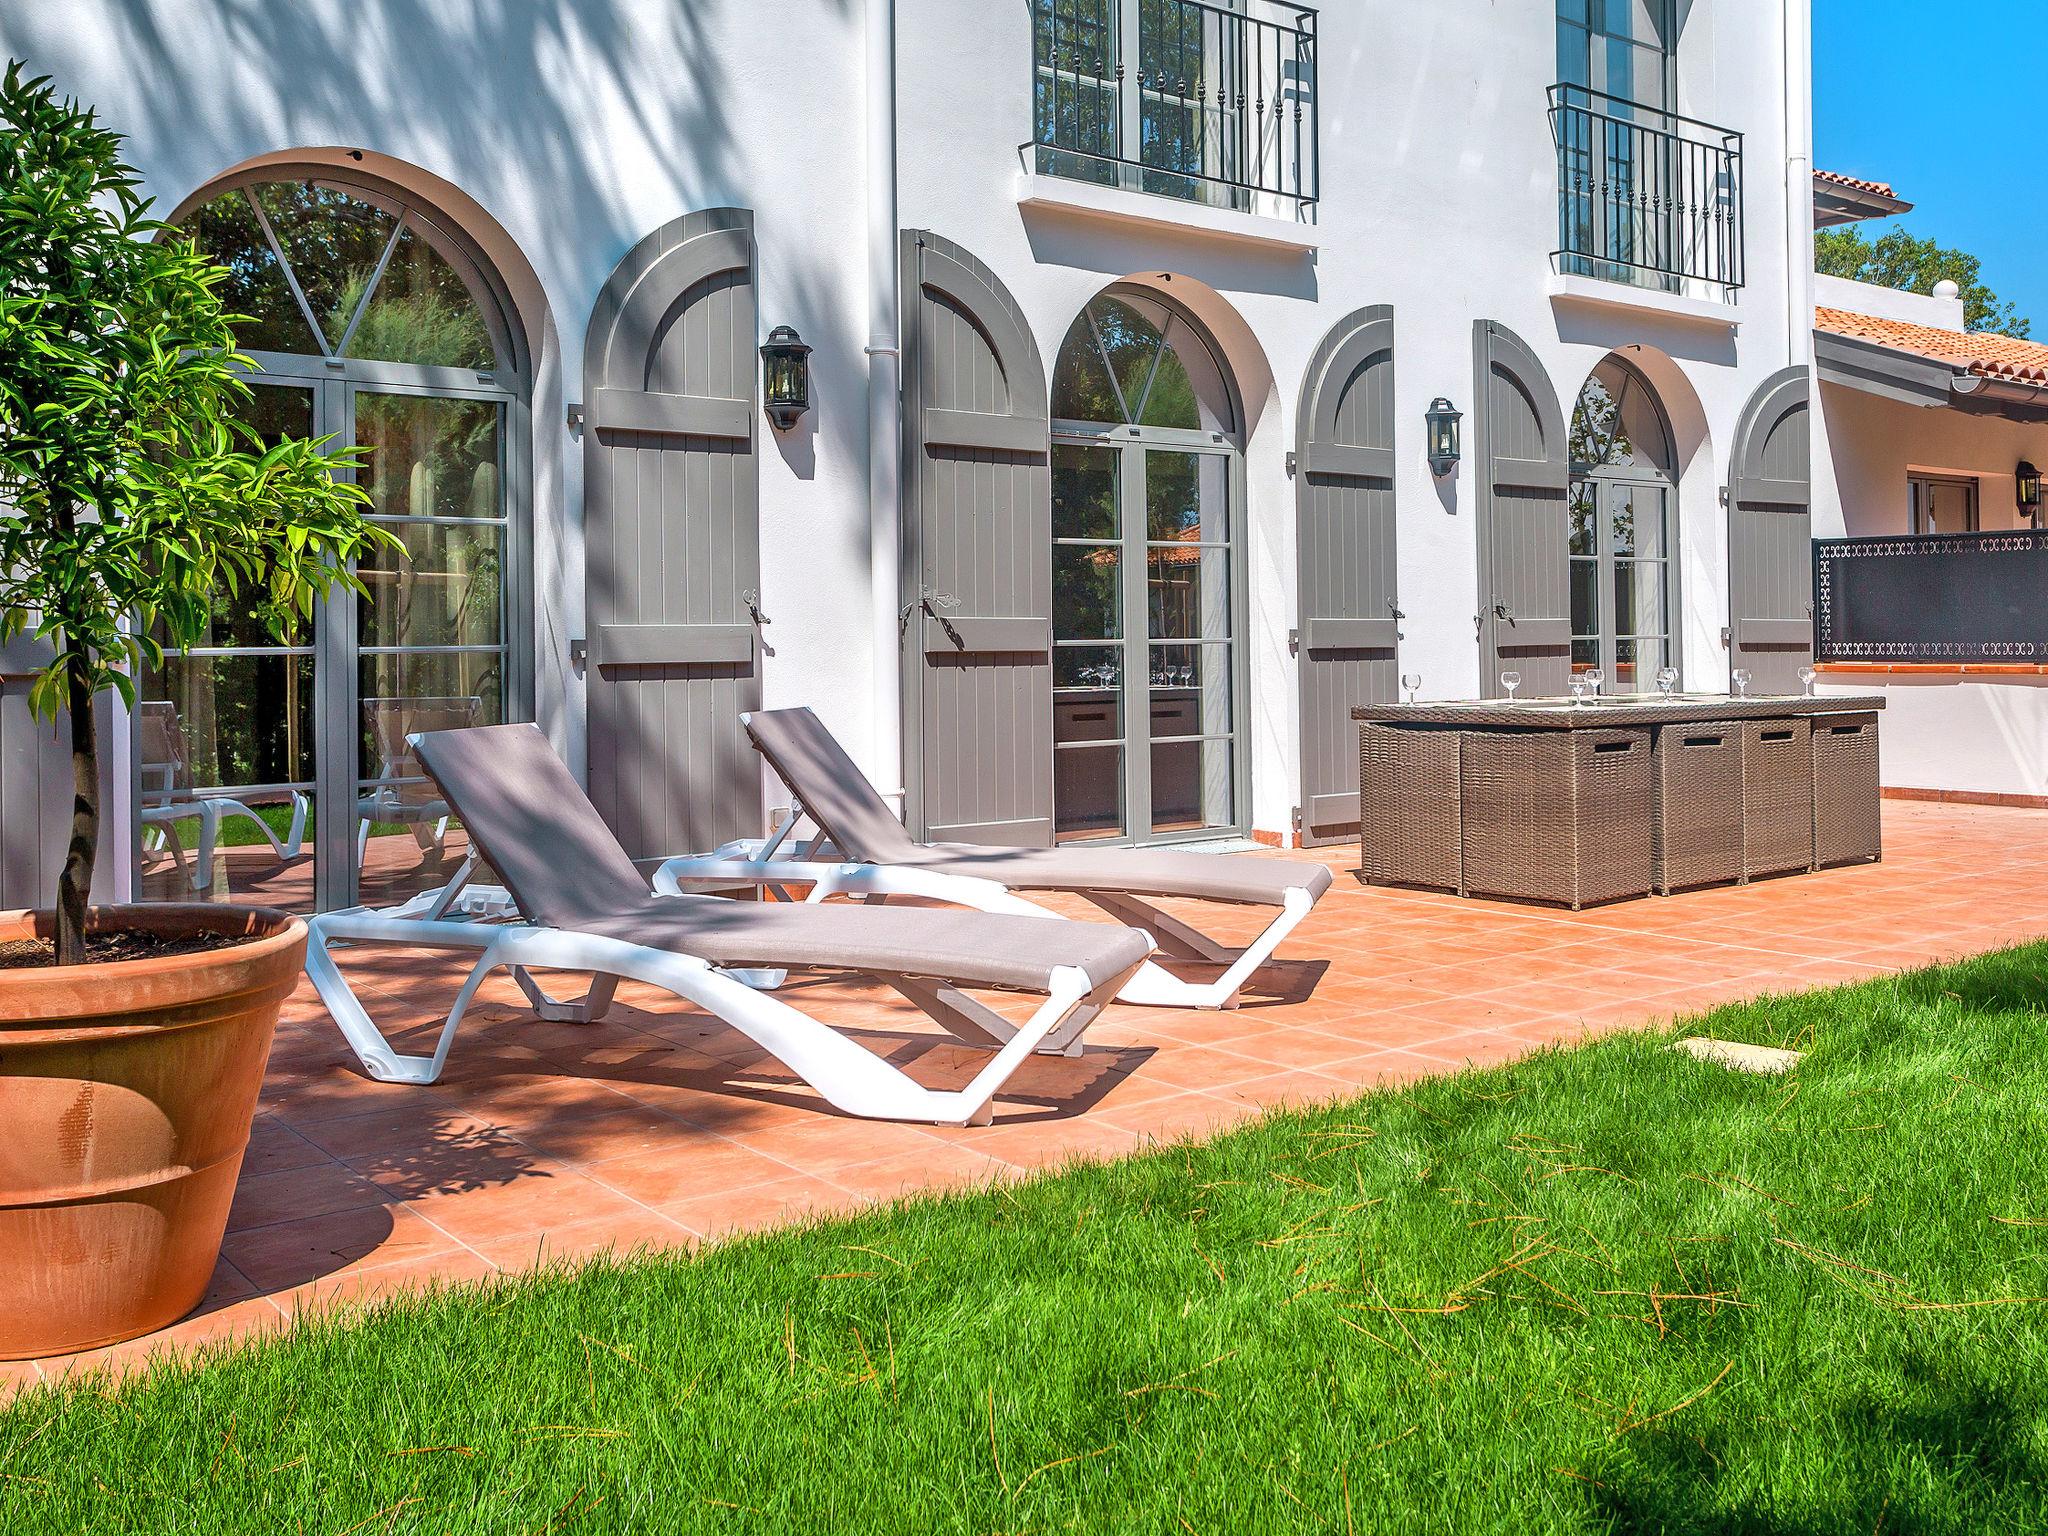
[756, 862]
[851, 1077]
[161, 817]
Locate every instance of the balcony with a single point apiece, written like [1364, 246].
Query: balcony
[1180, 99]
[1646, 197]
[1944, 599]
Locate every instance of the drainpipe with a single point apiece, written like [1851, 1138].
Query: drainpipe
[885, 400]
[1799, 180]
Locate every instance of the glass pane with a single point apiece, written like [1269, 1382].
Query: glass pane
[1191, 786]
[1637, 513]
[1637, 663]
[1188, 593]
[407, 840]
[1189, 390]
[1087, 693]
[1087, 792]
[445, 587]
[333, 242]
[1132, 332]
[422, 312]
[227, 231]
[1074, 47]
[430, 457]
[1084, 492]
[1616, 421]
[1639, 597]
[1585, 537]
[224, 750]
[1191, 690]
[1585, 655]
[1087, 592]
[1585, 597]
[1187, 497]
[1081, 388]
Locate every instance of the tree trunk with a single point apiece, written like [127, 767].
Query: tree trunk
[74, 884]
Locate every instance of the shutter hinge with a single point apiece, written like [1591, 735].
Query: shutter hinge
[1294, 642]
[1294, 817]
[1290, 463]
[575, 414]
[579, 653]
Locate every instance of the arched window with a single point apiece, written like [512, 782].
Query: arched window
[372, 318]
[1624, 505]
[1146, 508]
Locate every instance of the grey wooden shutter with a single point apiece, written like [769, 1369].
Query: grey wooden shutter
[671, 538]
[1770, 536]
[1522, 463]
[978, 532]
[1345, 592]
[35, 785]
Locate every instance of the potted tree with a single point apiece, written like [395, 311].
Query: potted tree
[132, 1038]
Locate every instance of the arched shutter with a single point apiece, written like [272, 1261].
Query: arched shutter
[1345, 591]
[671, 538]
[978, 530]
[1770, 537]
[1522, 463]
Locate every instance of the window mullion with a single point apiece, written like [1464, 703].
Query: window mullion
[291, 278]
[370, 288]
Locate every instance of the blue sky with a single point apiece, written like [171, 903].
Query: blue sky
[1940, 99]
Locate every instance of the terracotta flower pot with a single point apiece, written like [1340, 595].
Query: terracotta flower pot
[126, 1094]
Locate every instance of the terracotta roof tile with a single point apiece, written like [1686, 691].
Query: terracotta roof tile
[1881, 188]
[1983, 353]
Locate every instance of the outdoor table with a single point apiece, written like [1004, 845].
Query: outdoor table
[1597, 800]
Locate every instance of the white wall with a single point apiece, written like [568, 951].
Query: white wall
[577, 129]
[1887, 303]
[1982, 732]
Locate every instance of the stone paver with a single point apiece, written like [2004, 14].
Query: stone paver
[661, 1128]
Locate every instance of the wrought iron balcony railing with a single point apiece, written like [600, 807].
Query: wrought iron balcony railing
[1645, 196]
[1179, 97]
[1945, 598]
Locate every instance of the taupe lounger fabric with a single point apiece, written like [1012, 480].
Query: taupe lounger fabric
[562, 864]
[861, 825]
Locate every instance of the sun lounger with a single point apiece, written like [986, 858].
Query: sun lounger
[861, 849]
[579, 904]
[168, 797]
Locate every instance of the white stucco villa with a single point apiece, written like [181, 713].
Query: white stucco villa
[1180, 374]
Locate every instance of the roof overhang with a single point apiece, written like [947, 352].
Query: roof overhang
[1913, 379]
[1834, 203]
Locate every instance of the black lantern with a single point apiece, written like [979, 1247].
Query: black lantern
[2027, 483]
[1443, 418]
[785, 376]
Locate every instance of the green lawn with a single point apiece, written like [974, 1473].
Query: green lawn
[1609, 1289]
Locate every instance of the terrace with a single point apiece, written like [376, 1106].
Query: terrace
[662, 1128]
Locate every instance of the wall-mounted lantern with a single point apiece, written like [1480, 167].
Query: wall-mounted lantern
[785, 377]
[2027, 484]
[1443, 418]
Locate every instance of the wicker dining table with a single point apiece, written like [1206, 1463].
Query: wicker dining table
[1583, 801]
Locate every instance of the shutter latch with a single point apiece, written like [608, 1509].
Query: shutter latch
[753, 601]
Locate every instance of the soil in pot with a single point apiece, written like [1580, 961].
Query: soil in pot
[128, 1088]
[111, 948]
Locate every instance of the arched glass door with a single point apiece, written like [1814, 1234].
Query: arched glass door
[278, 772]
[1624, 524]
[1146, 499]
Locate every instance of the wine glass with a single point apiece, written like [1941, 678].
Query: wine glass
[1806, 677]
[1594, 679]
[1578, 687]
[1667, 680]
[1412, 681]
[1741, 676]
[1511, 680]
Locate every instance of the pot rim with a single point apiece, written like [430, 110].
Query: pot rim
[280, 929]
[109, 994]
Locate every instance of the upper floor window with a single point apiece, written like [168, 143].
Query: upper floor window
[1208, 100]
[1622, 49]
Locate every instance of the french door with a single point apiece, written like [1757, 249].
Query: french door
[274, 769]
[1622, 587]
[1147, 696]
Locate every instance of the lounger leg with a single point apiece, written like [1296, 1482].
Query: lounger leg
[1175, 938]
[978, 1024]
[1155, 986]
[209, 833]
[347, 1011]
[588, 1009]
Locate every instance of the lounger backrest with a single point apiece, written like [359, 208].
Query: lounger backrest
[532, 822]
[829, 783]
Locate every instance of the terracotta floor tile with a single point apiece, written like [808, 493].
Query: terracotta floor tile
[275, 1147]
[377, 1282]
[544, 1196]
[661, 1178]
[319, 1189]
[722, 1213]
[290, 1253]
